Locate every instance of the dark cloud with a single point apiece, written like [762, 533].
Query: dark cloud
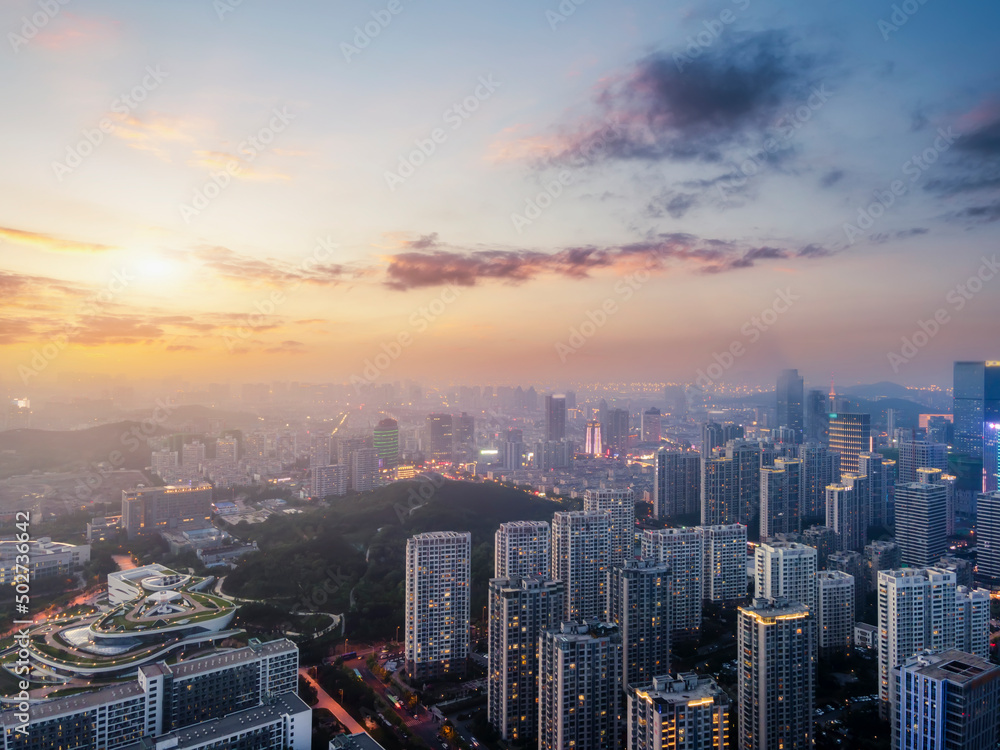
[984, 214]
[425, 242]
[831, 178]
[985, 141]
[411, 270]
[670, 106]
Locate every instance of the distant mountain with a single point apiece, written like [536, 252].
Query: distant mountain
[875, 391]
[196, 418]
[47, 450]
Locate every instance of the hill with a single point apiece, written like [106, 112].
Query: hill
[349, 557]
[47, 450]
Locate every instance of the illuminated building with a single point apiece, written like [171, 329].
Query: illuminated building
[651, 425]
[688, 712]
[781, 495]
[593, 446]
[676, 483]
[437, 604]
[845, 514]
[639, 594]
[328, 480]
[620, 505]
[921, 525]
[149, 509]
[385, 439]
[946, 700]
[917, 454]
[519, 609]
[724, 575]
[820, 468]
[850, 436]
[776, 671]
[581, 542]
[977, 402]
[720, 491]
[834, 611]
[521, 549]
[580, 690]
[439, 436]
[364, 469]
[786, 570]
[988, 536]
[683, 549]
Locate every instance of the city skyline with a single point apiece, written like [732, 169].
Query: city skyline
[370, 200]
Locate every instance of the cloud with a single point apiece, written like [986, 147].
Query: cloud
[95, 330]
[69, 30]
[48, 242]
[675, 108]
[16, 331]
[231, 265]
[831, 178]
[412, 270]
[983, 214]
[286, 347]
[152, 131]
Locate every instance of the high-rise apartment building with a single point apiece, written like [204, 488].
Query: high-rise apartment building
[880, 555]
[146, 510]
[676, 483]
[689, 712]
[776, 675]
[872, 465]
[977, 402]
[581, 542]
[921, 525]
[789, 395]
[364, 469]
[834, 611]
[519, 609]
[720, 491]
[619, 504]
[328, 480]
[786, 570]
[579, 687]
[320, 450]
[521, 549]
[724, 575]
[845, 514]
[639, 604]
[747, 458]
[946, 700]
[683, 549]
[781, 497]
[437, 603]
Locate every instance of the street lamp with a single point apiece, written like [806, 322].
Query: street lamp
[397, 634]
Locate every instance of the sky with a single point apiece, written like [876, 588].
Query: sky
[228, 190]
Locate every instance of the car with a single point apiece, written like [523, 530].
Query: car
[819, 711]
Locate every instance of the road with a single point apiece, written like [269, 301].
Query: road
[325, 701]
[424, 726]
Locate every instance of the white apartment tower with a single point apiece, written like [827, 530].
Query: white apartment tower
[834, 611]
[437, 603]
[620, 504]
[580, 543]
[786, 570]
[521, 549]
[683, 549]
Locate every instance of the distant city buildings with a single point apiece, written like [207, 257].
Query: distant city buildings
[790, 402]
[149, 509]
